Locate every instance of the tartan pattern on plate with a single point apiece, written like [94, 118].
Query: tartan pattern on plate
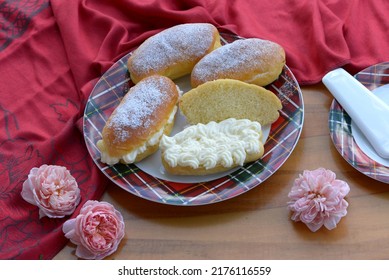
[341, 132]
[284, 134]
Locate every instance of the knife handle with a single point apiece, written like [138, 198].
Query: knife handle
[368, 112]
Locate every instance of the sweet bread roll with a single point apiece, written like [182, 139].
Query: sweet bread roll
[134, 129]
[226, 98]
[253, 61]
[174, 51]
[204, 149]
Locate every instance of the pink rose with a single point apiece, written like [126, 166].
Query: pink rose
[97, 230]
[317, 199]
[53, 189]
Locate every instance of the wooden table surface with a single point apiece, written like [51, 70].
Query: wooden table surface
[257, 224]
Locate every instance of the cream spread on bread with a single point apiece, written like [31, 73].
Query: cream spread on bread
[226, 143]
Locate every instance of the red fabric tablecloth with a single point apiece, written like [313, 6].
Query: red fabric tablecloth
[53, 52]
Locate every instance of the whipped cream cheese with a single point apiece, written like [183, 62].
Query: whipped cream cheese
[130, 157]
[226, 143]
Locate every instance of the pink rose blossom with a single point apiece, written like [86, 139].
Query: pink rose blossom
[53, 189]
[97, 230]
[317, 199]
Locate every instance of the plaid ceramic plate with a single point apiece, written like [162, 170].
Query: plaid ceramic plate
[283, 136]
[343, 132]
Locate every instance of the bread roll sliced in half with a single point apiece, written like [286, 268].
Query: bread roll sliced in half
[134, 129]
[226, 98]
[174, 51]
[204, 149]
[253, 61]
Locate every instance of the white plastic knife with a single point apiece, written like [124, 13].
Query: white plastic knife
[369, 112]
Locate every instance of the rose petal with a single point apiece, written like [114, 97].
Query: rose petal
[86, 254]
[27, 193]
[97, 230]
[331, 222]
[314, 227]
[68, 229]
[53, 189]
[317, 199]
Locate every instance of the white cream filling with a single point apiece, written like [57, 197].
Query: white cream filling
[226, 143]
[131, 156]
[255, 77]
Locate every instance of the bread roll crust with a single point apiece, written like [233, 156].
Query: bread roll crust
[250, 60]
[173, 52]
[143, 112]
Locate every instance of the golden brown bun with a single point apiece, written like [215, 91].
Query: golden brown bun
[226, 98]
[174, 51]
[201, 171]
[253, 61]
[143, 111]
[149, 150]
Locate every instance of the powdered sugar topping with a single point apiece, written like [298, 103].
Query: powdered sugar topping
[234, 57]
[139, 105]
[172, 45]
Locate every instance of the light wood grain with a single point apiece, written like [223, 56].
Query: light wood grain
[257, 225]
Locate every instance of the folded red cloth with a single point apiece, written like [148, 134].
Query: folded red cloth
[39, 112]
[53, 52]
[318, 35]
